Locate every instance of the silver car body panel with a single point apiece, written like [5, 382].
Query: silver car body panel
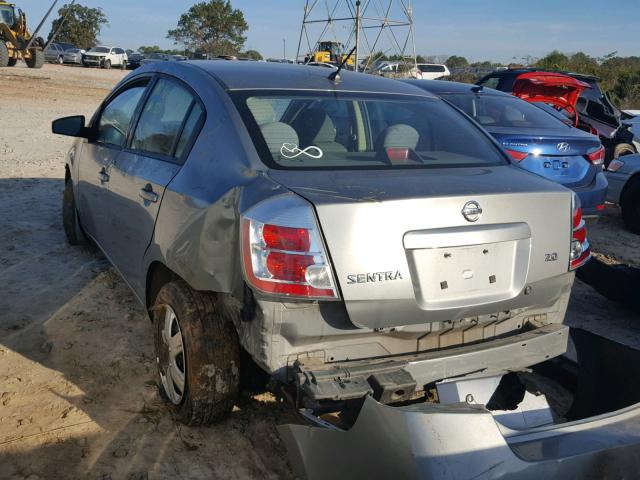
[461, 441]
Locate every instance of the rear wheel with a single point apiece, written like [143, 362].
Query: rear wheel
[124, 65]
[631, 205]
[4, 54]
[197, 354]
[70, 221]
[12, 62]
[60, 60]
[36, 60]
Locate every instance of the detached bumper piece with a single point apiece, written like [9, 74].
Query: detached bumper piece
[460, 441]
[397, 380]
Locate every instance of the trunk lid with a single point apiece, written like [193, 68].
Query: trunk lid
[551, 88]
[404, 254]
[553, 154]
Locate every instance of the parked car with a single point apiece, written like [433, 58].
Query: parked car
[397, 70]
[249, 206]
[54, 53]
[624, 189]
[536, 141]
[106, 57]
[162, 57]
[591, 108]
[74, 56]
[432, 71]
[134, 60]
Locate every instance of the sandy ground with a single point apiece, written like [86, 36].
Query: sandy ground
[77, 398]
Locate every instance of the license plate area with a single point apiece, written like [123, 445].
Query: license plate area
[467, 275]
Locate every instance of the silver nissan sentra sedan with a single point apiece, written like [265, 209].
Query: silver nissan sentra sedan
[352, 224]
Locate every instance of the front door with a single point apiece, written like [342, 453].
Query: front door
[168, 124]
[110, 128]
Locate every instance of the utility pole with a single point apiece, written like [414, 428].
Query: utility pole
[284, 48]
[356, 62]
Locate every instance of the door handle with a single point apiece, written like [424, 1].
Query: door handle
[103, 176]
[148, 194]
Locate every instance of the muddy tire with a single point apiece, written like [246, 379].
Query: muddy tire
[4, 54]
[70, 221]
[36, 60]
[623, 149]
[12, 62]
[631, 205]
[197, 355]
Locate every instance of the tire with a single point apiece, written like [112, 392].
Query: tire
[199, 375]
[107, 65]
[60, 60]
[124, 65]
[623, 149]
[4, 54]
[70, 221]
[36, 60]
[631, 205]
[12, 62]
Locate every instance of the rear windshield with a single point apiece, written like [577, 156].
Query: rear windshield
[431, 68]
[499, 111]
[329, 131]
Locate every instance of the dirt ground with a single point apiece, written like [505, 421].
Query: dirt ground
[77, 398]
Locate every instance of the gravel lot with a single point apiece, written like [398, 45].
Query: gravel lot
[76, 358]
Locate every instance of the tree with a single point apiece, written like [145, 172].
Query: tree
[252, 54]
[556, 60]
[81, 26]
[455, 61]
[213, 27]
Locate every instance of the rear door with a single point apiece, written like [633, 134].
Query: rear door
[111, 126]
[161, 140]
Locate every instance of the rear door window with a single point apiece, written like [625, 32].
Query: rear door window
[116, 117]
[167, 113]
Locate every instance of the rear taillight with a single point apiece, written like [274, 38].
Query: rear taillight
[517, 156]
[580, 251]
[596, 157]
[615, 165]
[282, 250]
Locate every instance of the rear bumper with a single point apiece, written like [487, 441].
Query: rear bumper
[593, 195]
[462, 441]
[397, 379]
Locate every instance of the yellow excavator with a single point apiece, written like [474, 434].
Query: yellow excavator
[17, 42]
[330, 52]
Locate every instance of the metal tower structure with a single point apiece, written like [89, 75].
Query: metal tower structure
[368, 25]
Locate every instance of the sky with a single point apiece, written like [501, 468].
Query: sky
[497, 30]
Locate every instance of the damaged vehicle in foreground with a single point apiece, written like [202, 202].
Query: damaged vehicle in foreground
[361, 240]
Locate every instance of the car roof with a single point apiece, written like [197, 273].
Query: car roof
[233, 75]
[441, 87]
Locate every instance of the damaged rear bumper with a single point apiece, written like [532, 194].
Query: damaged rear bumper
[461, 441]
[398, 379]
[600, 436]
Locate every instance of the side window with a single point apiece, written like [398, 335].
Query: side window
[191, 129]
[117, 115]
[162, 119]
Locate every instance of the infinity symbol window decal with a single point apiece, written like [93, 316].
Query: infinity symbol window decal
[291, 150]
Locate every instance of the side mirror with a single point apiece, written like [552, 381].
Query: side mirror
[70, 126]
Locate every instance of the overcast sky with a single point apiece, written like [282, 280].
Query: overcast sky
[499, 30]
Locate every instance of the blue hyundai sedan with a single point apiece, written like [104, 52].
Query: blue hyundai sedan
[535, 139]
